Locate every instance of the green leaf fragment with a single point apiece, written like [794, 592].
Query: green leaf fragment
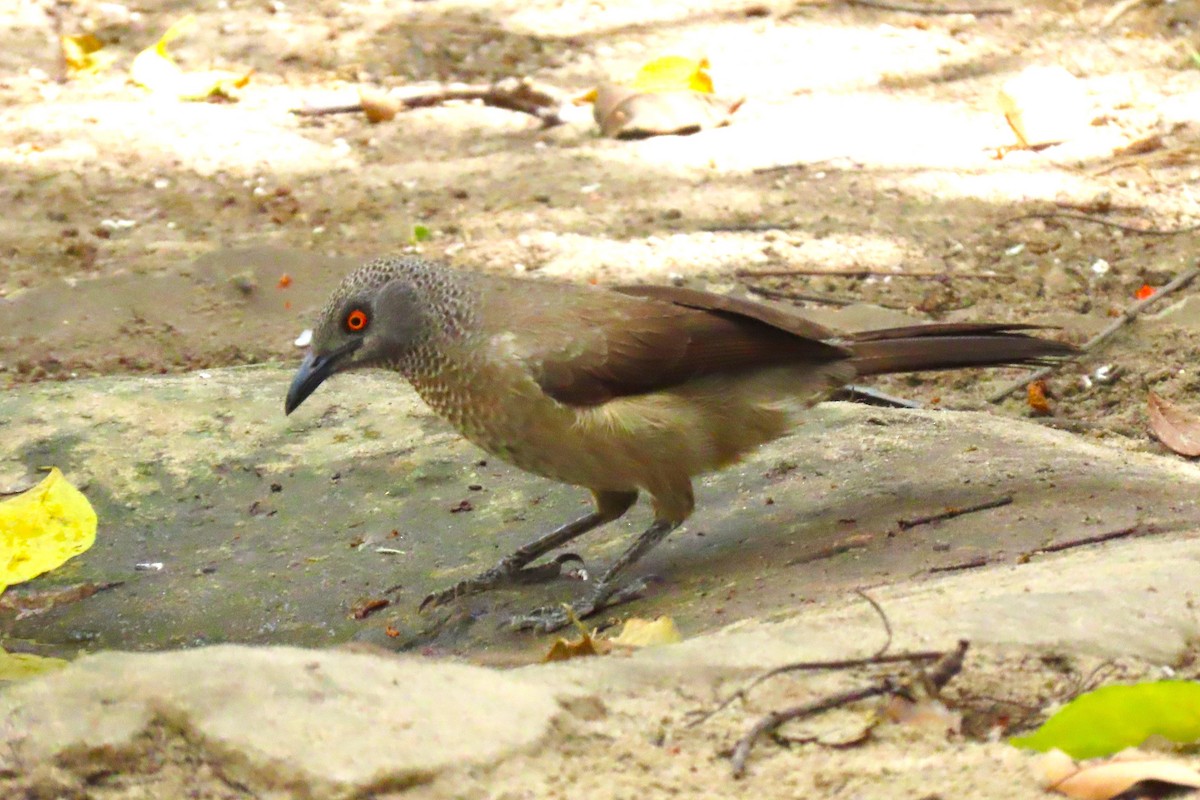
[1113, 718]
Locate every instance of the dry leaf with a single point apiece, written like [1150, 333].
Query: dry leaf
[19, 666]
[1045, 105]
[379, 106]
[1108, 778]
[647, 633]
[673, 74]
[586, 645]
[156, 70]
[626, 113]
[1036, 398]
[85, 55]
[42, 528]
[30, 604]
[1179, 430]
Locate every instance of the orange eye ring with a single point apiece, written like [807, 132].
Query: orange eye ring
[356, 320]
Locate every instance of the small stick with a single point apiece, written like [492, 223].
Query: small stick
[941, 673]
[1119, 10]
[869, 273]
[512, 94]
[809, 297]
[951, 513]
[1131, 532]
[1127, 316]
[772, 721]
[865, 395]
[974, 563]
[1101, 221]
[930, 10]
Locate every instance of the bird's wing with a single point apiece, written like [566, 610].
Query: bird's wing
[585, 346]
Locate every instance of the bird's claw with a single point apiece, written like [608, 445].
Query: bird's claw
[506, 573]
[548, 619]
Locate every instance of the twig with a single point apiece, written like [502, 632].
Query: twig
[809, 297]
[951, 513]
[873, 397]
[935, 678]
[869, 273]
[1119, 10]
[931, 10]
[772, 721]
[512, 94]
[1102, 221]
[879, 657]
[1132, 532]
[974, 563]
[1127, 316]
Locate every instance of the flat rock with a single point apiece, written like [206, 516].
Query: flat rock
[228, 522]
[322, 724]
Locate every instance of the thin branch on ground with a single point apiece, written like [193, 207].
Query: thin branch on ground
[1127, 316]
[871, 273]
[1119, 10]
[974, 563]
[511, 94]
[981, 11]
[951, 513]
[809, 297]
[866, 395]
[1132, 532]
[1102, 221]
[880, 657]
[947, 666]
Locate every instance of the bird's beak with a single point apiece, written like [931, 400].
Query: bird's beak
[314, 369]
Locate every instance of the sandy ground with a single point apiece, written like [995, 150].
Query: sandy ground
[868, 141]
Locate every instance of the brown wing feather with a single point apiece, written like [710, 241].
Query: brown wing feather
[604, 344]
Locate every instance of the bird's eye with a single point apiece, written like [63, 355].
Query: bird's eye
[356, 320]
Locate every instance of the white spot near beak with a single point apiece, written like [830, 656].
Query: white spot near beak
[304, 339]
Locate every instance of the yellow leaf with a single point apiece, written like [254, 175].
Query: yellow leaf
[673, 74]
[648, 633]
[18, 666]
[85, 55]
[156, 70]
[586, 645]
[42, 528]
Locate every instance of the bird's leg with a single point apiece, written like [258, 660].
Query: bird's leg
[512, 568]
[607, 592]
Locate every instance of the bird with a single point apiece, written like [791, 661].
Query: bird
[620, 390]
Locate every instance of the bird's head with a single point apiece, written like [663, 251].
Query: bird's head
[374, 318]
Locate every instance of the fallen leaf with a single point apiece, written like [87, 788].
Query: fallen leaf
[626, 113]
[365, 608]
[1179, 430]
[42, 528]
[31, 604]
[673, 74]
[285, 281]
[19, 666]
[378, 106]
[156, 70]
[1146, 291]
[85, 55]
[585, 645]
[1111, 777]
[1036, 397]
[1112, 718]
[647, 633]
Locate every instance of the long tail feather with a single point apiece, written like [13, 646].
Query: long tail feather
[951, 346]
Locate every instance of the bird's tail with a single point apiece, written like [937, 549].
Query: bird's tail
[951, 345]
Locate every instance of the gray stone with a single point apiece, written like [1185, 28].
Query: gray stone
[324, 724]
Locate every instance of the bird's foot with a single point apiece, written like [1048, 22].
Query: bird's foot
[551, 618]
[506, 573]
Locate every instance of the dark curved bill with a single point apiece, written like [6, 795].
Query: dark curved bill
[314, 369]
